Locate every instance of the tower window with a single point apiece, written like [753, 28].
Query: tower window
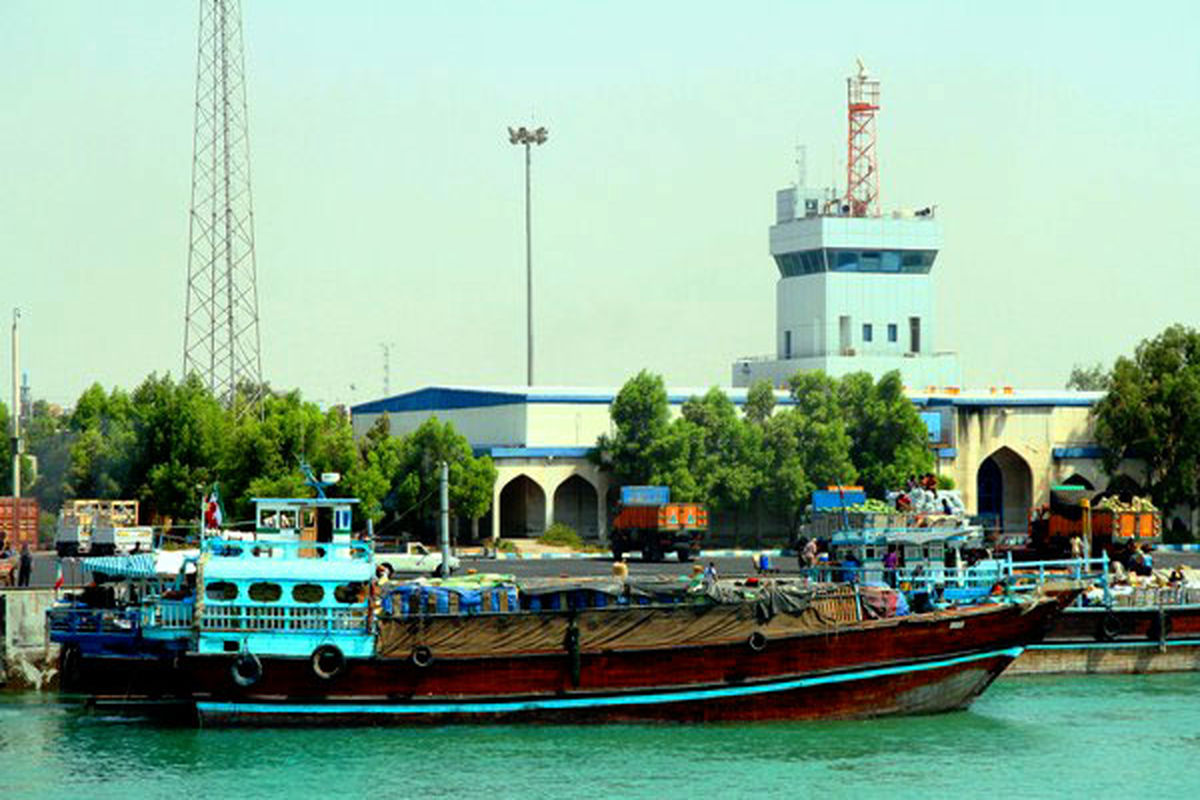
[868, 333]
[914, 334]
[892, 332]
[787, 344]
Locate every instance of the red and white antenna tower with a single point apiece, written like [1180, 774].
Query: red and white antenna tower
[862, 168]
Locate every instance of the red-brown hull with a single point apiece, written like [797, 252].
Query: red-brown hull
[911, 665]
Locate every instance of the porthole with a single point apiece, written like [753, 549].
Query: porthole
[308, 593]
[221, 590]
[265, 592]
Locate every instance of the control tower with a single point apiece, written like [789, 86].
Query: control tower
[855, 291]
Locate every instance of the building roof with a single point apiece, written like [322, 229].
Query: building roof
[442, 398]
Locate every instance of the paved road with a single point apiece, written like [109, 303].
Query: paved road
[45, 566]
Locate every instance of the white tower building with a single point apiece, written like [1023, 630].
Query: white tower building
[855, 291]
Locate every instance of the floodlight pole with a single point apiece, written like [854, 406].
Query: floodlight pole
[526, 137]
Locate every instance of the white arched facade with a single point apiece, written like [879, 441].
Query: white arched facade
[549, 476]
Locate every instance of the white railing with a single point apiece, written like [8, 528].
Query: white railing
[282, 618]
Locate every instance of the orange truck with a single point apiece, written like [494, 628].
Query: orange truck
[647, 521]
[1071, 512]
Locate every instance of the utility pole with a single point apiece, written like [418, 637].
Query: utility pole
[526, 137]
[444, 492]
[16, 421]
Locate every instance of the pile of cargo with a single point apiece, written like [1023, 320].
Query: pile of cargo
[1138, 505]
[929, 501]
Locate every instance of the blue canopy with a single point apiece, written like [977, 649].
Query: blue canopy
[140, 565]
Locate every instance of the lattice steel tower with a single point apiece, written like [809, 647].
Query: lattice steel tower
[862, 166]
[221, 338]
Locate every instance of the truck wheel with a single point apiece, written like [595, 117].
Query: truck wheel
[685, 554]
[618, 554]
[652, 553]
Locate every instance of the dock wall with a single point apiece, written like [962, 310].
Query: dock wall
[27, 658]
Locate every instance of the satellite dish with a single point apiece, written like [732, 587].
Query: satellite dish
[330, 477]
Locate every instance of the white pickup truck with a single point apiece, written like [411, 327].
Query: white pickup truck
[415, 558]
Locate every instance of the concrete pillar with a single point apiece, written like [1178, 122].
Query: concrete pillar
[549, 494]
[496, 509]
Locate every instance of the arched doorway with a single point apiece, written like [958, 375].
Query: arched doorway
[575, 505]
[1004, 488]
[522, 508]
[1078, 480]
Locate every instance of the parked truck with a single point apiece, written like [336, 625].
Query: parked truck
[647, 521]
[1108, 523]
[101, 528]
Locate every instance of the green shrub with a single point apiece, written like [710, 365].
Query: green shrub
[560, 535]
[505, 546]
[945, 482]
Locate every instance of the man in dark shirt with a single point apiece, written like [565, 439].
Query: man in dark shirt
[25, 569]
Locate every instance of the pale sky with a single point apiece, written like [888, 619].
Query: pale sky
[1058, 141]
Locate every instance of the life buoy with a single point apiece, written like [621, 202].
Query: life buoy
[757, 641]
[327, 661]
[1109, 627]
[246, 669]
[421, 656]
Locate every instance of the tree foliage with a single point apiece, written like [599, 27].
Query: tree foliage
[168, 441]
[1151, 412]
[833, 431]
[1088, 379]
[889, 441]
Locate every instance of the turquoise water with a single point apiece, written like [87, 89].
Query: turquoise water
[1026, 737]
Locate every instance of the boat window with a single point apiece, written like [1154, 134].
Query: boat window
[310, 517]
[287, 519]
[221, 590]
[350, 593]
[308, 593]
[265, 592]
[268, 518]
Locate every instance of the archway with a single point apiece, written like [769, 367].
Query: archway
[1078, 480]
[1004, 488]
[522, 508]
[575, 505]
[1123, 487]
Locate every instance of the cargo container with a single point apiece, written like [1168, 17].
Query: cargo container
[645, 495]
[19, 521]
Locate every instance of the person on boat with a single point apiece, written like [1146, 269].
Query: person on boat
[850, 567]
[1076, 547]
[891, 563]
[710, 573]
[620, 569]
[809, 553]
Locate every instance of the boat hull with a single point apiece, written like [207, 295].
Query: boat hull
[919, 664]
[1121, 640]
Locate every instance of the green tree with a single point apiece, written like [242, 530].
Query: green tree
[50, 442]
[414, 500]
[640, 417]
[727, 466]
[5, 451]
[179, 432]
[1152, 412]
[101, 442]
[760, 402]
[263, 454]
[1088, 379]
[806, 446]
[888, 440]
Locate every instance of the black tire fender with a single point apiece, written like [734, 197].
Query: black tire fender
[246, 670]
[757, 641]
[1109, 627]
[421, 656]
[328, 661]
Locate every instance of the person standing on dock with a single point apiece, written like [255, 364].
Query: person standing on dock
[25, 569]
